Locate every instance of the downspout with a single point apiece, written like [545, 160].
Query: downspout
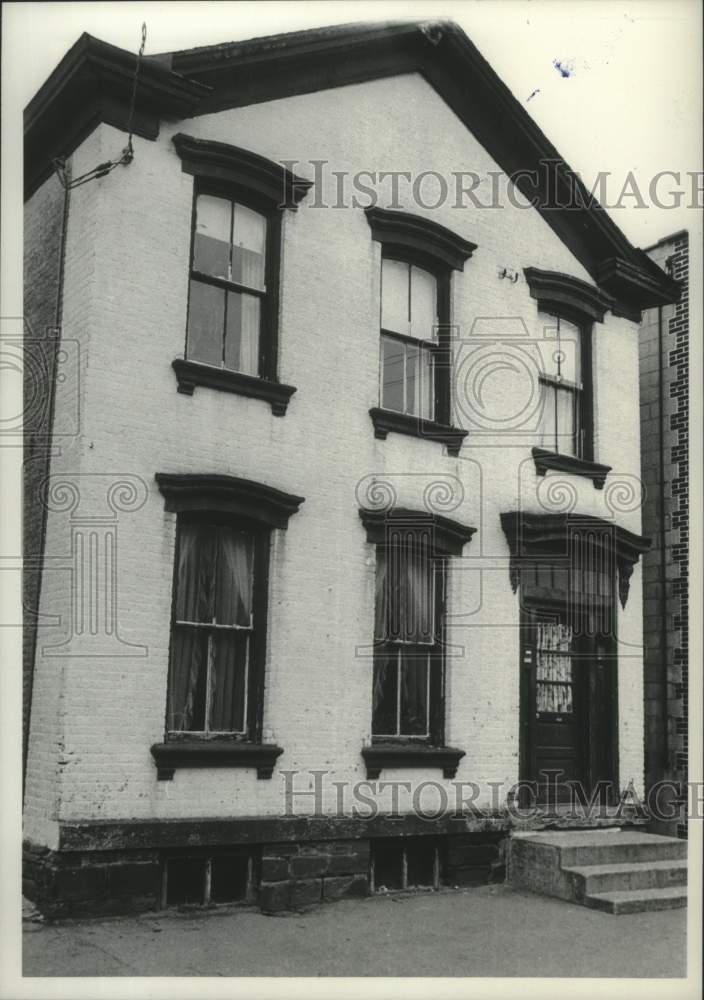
[58, 315]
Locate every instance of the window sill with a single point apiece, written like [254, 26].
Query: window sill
[402, 423]
[213, 753]
[189, 374]
[545, 460]
[381, 755]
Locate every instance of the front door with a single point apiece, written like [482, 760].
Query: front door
[566, 675]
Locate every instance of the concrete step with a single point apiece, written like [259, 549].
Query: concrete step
[580, 849]
[591, 879]
[638, 900]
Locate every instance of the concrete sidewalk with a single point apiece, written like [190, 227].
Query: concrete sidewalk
[487, 931]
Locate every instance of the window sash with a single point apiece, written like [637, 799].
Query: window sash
[409, 622]
[416, 378]
[211, 336]
[213, 630]
[554, 436]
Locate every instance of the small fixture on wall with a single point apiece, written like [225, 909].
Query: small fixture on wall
[507, 272]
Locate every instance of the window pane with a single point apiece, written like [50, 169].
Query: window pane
[211, 245]
[559, 343]
[248, 247]
[242, 333]
[569, 351]
[187, 681]
[405, 606]
[392, 356]
[566, 437]
[195, 577]
[233, 591]
[385, 695]
[424, 300]
[419, 383]
[546, 429]
[394, 295]
[414, 694]
[228, 682]
[206, 317]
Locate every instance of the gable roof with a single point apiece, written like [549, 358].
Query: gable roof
[93, 84]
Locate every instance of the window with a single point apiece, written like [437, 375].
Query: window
[563, 427]
[405, 863]
[408, 630]
[215, 696]
[415, 366]
[206, 878]
[228, 286]
[232, 317]
[409, 338]
[408, 662]
[213, 630]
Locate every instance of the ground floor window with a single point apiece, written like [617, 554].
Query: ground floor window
[405, 863]
[203, 879]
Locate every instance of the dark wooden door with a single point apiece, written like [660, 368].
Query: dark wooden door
[556, 670]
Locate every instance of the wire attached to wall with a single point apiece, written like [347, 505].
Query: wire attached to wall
[127, 154]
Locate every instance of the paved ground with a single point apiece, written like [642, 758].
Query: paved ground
[489, 931]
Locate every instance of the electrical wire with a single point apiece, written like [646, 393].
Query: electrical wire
[127, 154]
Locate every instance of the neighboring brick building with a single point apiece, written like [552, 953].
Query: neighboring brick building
[664, 401]
[312, 528]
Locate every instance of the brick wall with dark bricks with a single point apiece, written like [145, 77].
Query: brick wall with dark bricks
[664, 400]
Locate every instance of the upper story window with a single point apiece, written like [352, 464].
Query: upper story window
[563, 425]
[227, 299]
[232, 323]
[415, 366]
[568, 311]
[409, 339]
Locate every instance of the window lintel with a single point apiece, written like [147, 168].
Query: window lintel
[220, 161]
[449, 537]
[228, 494]
[431, 241]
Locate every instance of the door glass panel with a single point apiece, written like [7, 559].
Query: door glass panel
[554, 668]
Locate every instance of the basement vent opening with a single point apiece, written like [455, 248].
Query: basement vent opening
[405, 863]
[209, 879]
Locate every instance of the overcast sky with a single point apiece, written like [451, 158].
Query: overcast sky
[631, 101]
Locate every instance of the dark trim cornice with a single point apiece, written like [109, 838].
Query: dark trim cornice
[232, 165]
[403, 423]
[93, 84]
[636, 286]
[229, 495]
[552, 289]
[381, 755]
[189, 374]
[213, 753]
[545, 460]
[449, 537]
[414, 232]
[532, 536]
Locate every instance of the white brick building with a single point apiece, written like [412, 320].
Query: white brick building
[471, 487]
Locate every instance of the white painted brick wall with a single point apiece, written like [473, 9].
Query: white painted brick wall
[126, 289]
